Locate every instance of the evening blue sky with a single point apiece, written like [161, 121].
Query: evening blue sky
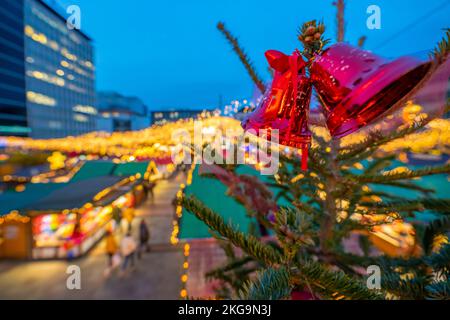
[170, 54]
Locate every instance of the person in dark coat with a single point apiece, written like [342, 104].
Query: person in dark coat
[144, 237]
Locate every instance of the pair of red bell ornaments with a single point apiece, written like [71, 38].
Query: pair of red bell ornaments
[355, 88]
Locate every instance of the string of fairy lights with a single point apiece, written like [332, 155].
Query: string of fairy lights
[159, 141]
[184, 276]
[174, 240]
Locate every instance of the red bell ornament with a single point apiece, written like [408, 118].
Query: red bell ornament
[285, 105]
[356, 87]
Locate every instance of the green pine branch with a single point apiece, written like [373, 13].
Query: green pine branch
[331, 284]
[386, 263]
[248, 243]
[440, 261]
[407, 185]
[294, 228]
[410, 289]
[376, 139]
[434, 228]
[384, 195]
[442, 49]
[379, 163]
[410, 174]
[438, 290]
[436, 205]
[269, 284]
[242, 56]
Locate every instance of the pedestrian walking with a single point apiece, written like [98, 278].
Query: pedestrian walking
[151, 187]
[127, 248]
[111, 247]
[127, 219]
[144, 237]
[112, 251]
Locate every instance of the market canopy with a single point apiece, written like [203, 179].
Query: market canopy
[12, 200]
[99, 168]
[74, 194]
[92, 169]
[130, 168]
[91, 178]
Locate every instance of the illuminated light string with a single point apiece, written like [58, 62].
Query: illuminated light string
[179, 209]
[184, 277]
[14, 216]
[156, 142]
[153, 143]
[176, 229]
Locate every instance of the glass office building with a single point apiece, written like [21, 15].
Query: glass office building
[60, 74]
[54, 73]
[13, 111]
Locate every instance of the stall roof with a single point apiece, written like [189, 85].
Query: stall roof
[212, 193]
[130, 168]
[74, 194]
[93, 177]
[99, 168]
[12, 200]
[92, 169]
[114, 194]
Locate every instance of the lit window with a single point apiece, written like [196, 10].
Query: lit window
[29, 31]
[80, 118]
[40, 99]
[68, 55]
[85, 109]
[53, 45]
[46, 77]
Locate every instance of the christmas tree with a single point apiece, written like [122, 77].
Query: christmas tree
[299, 249]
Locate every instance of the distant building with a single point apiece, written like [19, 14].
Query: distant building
[121, 113]
[47, 74]
[161, 117]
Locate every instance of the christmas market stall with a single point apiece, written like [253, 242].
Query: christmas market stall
[66, 220]
[15, 229]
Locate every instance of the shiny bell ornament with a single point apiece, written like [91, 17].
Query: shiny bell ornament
[285, 106]
[356, 87]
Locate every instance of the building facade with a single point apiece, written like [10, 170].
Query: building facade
[13, 110]
[56, 79]
[121, 113]
[164, 116]
[60, 74]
